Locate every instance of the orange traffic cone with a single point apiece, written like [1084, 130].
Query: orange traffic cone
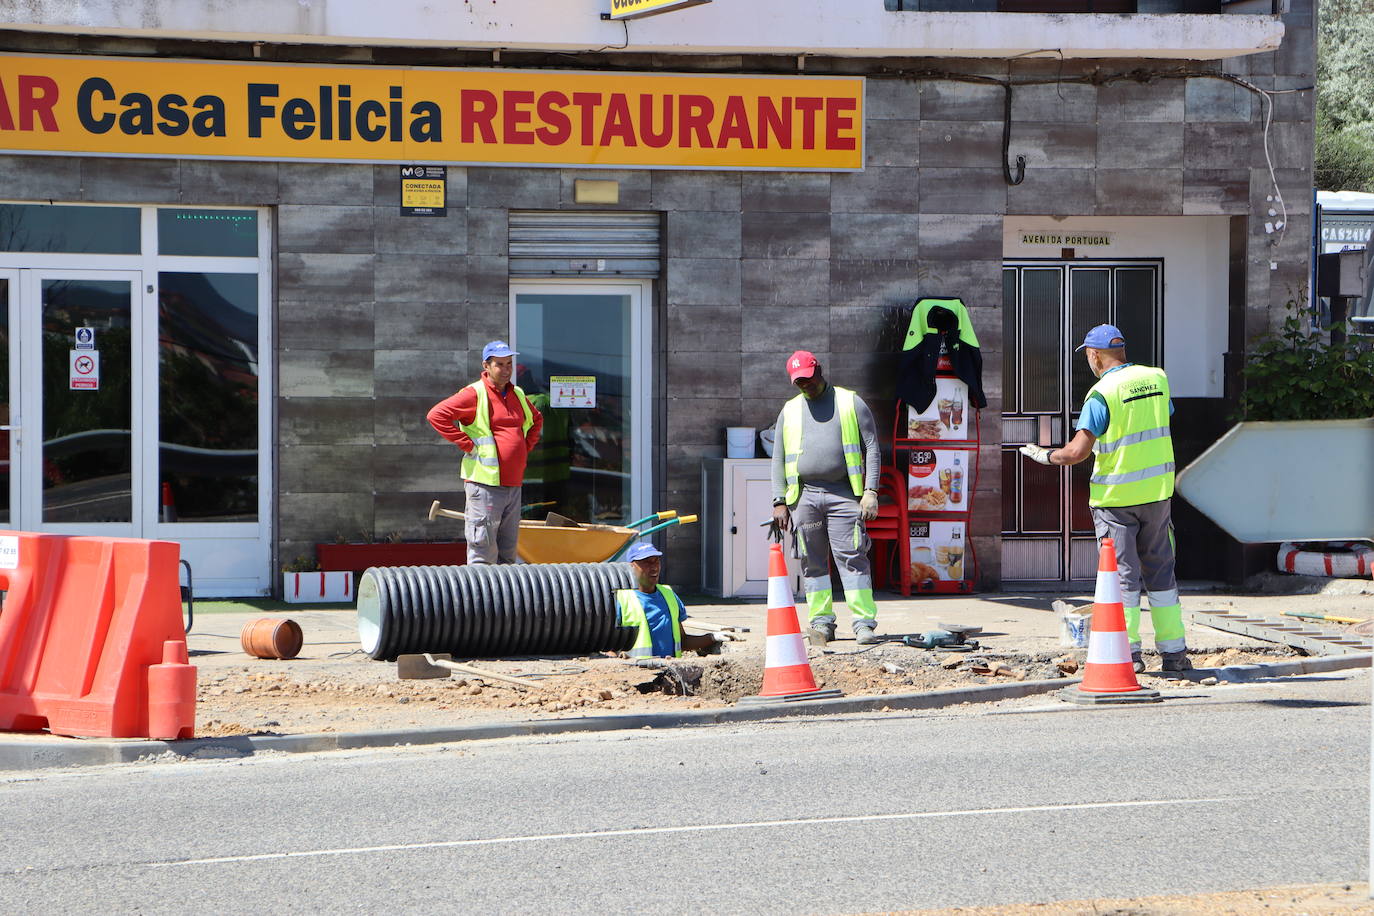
[169, 506]
[786, 669]
[1108, 676]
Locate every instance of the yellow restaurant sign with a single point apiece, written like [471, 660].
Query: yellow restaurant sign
[633, 9]
[192, 109]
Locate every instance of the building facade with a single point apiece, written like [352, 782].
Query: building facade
[654, 211]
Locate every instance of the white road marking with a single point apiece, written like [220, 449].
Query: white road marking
[690, 828]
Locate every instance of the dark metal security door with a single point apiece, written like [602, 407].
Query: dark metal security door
[1047, 531]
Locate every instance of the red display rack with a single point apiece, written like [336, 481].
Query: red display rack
[937, 452]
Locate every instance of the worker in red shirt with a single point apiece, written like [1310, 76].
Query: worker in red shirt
[496, 426]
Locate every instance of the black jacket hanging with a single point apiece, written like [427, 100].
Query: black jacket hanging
[939, 326]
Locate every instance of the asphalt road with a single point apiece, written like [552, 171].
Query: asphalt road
[1240, 787]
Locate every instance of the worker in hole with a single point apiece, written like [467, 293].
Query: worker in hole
[656, 611]
[1125, 426]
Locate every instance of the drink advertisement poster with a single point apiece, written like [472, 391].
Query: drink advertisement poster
[948, 416]
[937, 551]
[938, 480]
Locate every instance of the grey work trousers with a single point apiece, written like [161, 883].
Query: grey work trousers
[1144, 541]
[829, 525]
[493, 523]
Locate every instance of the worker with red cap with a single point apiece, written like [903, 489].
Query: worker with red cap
[825, 482]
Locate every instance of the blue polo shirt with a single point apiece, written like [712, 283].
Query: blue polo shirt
[660, 621]
[1096, 417]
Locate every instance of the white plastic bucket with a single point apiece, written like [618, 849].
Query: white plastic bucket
[739, 442]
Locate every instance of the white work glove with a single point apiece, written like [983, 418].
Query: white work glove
[1036, 453]
[868, 505]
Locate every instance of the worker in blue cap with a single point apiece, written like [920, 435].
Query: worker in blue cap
[656, 610]
[1125, 425]
[496, 427]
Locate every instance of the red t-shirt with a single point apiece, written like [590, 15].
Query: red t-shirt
[506, 418]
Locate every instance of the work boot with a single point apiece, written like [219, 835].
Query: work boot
[819, 635]
[1176, 661]
[866, 636]
[1137, 663]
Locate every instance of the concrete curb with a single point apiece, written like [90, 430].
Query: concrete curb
[38, 752]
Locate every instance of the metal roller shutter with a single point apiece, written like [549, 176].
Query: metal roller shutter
[549, 243]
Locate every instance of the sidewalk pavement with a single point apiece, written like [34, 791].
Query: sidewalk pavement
[1014, 621]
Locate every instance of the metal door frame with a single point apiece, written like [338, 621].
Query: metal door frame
[1068, 416]
[641, 367]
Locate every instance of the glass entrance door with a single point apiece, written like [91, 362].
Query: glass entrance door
[10, 425]
[584, 359]
[78, 391]
[1047, 530]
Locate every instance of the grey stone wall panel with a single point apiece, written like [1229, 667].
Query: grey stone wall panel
[417, 373]
[1140, 145]
[323, 421]
[1056, 145]
[784, 280]
[703, 234]
[885, 190]
[401, 421]
[671, 189]
[973, 190]
[704, 327]
[431, 468]
[488, 231]
[865, 235]
[326, 183]
[421, 278]
[323, 518]
[1061, 102]
[336, 324]
[41, 177]
[1140, 192]
[874, 282]
[799, 235]
[1207, 99]
[405, 515]
[1128, 100]
[326, 469]
[421, 325]
[1054, 192]
[892, 143]
[1209, 143]
[763, 376]
[514, 189]
[1216, 191]
[805, 192]
[485, 322]
[960, 143]
[324, 276]
[241, 184]
[325, 373]
[397, 234]
[706, 374]
[131, 181]
[703, 281]
[324, 229]
[947, 100]
[701, 421]
[891, 99]
[962, 236]
[856, 329]
[809, 328]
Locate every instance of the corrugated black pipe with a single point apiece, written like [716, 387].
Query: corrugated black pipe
[493, 611]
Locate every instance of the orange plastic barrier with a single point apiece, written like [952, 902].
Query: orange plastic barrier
[91, 638]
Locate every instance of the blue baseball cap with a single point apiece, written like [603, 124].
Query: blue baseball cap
[642, 551]
[496, 348]
[1103, 337]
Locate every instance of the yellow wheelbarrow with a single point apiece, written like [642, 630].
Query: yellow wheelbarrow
[571, 542]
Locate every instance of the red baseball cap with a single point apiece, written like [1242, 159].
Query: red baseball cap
[801, 364]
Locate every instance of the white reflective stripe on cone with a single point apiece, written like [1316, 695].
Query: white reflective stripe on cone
[1108, 648]
[779, 592]
[1108, 588]
[787, 650]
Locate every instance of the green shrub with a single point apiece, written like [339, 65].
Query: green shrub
[1294, 373]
